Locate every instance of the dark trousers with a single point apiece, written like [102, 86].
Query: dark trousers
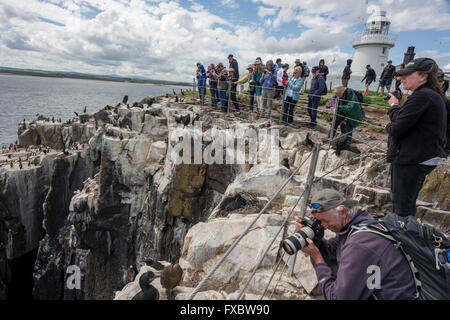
[288, 110]
[223, 100]
[278, 91]
[233, 96]
[214, 95]
[202, 93]
[313, 104]
[344, 128]
[406, 182]
[252, 98]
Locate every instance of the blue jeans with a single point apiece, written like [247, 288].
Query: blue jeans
[313, 104]
[223, 100]
[233, 96]
[344, 129]
[214, 95]
[202, 93]
[252, 98]
[288, 110]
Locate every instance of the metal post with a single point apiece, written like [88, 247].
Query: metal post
[305, 199]
[193, 91]
[331, 86]
[334, 120]
[229, 97]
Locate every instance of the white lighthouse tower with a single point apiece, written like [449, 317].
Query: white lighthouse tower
[374, 45]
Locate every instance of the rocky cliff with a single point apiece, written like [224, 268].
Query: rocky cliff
[103, 193]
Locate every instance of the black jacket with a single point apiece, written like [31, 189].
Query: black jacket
[324, 70]
[388, 72]
[370, 75]
[347, 72]
[417, 131]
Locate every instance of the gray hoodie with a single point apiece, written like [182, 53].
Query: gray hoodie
[354, 256]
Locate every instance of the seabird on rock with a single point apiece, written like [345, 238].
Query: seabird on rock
[11, 164]
[76, 113]
[170, 278]
[167, 95]
[186, 120]
[176, 99]
[53, 119]
[308, 142]
[85, 109]
[197, 116]
[182, 93]
[148, 292]
[125, 100]
[174, 92]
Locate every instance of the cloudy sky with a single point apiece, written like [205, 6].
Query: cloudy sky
[164, 39]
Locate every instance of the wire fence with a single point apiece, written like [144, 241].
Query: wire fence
[281, 228]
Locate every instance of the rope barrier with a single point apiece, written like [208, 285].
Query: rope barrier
[303, 99]
[235, 243]
[231, 248]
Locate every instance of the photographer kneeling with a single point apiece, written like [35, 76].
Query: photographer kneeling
[369, 266]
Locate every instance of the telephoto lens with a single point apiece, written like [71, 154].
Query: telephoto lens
[312, 229]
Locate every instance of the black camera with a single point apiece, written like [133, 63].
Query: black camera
[397, 93]
[312, 229]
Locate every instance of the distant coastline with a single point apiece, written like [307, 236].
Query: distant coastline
[74, 75]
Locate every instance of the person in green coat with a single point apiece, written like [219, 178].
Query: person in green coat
[349, 109]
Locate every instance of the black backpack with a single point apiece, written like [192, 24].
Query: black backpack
[426, 248]
[360, 96]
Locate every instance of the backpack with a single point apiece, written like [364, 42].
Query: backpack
[426, 248]
[305, 71]
[359, 96]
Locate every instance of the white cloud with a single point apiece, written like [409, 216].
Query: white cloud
[229, 3]
[447, 67]
[164, 40]
[265, 12]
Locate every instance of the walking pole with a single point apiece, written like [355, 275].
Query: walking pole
[304, 203]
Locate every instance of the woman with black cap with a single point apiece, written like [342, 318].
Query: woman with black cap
[417, 133]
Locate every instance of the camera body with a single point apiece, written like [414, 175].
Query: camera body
[397, 93]
[312, 229]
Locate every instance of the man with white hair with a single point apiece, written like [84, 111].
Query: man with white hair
[356, 254]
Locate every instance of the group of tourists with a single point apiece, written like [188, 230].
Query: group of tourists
[418, 141]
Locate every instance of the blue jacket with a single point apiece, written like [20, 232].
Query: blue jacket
[234, 64]
[269, 80]
[294, 85]
[317, 86]
[201, 78]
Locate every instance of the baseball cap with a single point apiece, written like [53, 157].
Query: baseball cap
[315, 69]
[230, 56]
[327, 199]
[419, 64]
